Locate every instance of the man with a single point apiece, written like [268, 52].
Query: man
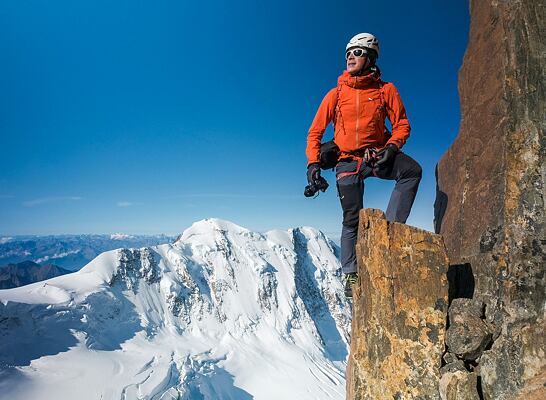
[358, 107]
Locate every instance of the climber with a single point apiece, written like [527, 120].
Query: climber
[358, 107]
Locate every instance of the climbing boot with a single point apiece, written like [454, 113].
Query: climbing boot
[350, 280]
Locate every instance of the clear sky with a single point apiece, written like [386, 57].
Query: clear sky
[146, 116]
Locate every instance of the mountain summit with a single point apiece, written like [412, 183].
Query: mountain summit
[221, 313]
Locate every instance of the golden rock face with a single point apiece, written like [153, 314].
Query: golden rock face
[399, 311]
[491, 189]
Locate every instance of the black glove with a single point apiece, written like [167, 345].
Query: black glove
[313, 173]
[387, 154]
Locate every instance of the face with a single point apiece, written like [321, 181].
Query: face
[355, 64]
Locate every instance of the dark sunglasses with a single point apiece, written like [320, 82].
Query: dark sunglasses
[356, 52]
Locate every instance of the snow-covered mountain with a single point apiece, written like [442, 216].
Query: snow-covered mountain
[222, 313]
[69, 251]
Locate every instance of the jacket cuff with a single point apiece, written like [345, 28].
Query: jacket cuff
[397, 143]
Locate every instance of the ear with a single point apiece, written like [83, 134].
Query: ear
[367, 63]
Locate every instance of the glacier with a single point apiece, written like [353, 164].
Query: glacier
[220, 313]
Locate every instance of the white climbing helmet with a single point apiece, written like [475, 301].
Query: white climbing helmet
[366, 40]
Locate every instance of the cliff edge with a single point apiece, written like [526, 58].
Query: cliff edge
[490, 204]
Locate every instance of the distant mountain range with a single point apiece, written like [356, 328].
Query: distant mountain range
[70, 252]
[26, 272]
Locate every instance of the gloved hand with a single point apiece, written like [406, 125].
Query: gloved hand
[313, 173]
[387, 154]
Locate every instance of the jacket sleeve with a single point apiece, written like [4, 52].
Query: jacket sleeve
[325, 115]
[397, 115]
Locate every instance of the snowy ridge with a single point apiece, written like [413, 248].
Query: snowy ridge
[222, 313]
[121, 236]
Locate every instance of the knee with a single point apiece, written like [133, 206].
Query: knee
[418, 171]
[414, 171]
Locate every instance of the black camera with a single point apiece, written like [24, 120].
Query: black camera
[319, 184]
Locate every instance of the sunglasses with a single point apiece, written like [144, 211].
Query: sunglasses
[356, 52]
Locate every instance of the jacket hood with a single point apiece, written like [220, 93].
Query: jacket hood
[359, 82]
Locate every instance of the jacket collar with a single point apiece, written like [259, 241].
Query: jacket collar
[359, 82]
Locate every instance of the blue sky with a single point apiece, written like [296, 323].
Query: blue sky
[143, 117]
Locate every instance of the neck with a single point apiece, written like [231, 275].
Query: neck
[365, 71]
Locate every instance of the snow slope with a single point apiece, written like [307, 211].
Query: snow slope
[222, 313]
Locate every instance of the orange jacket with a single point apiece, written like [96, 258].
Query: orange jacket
[358, 106]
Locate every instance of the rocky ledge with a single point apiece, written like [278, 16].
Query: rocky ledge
[399, 312]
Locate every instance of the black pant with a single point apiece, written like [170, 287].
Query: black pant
[350, 178]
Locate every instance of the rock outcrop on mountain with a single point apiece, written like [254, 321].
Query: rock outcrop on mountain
[399, 312]
[24, 273]
[490, 206]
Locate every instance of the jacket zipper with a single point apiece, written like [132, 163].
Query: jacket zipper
[357, 114]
